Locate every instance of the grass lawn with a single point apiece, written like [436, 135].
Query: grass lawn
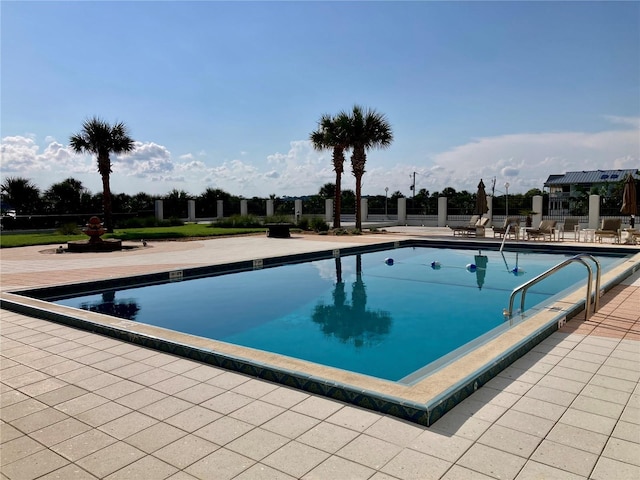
[8, 239]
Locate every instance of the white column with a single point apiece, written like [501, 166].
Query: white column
[536, 206]
[364, 209]
[442, 211]
[270, 208]
[328, 210]
[489, 213]
[191, 210]
[219, 209]
[159, 210]
[594, 211]
[298, 209]
[243, 207]
[402, 211]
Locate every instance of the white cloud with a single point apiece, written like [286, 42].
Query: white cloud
[525, 160]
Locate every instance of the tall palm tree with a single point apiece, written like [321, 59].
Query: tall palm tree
[367, 129]
[101, 139]
[332, 133]
[21, 194]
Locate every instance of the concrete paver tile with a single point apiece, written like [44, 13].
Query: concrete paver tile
[220, 465]
[526, 423]
[175, 384]
[285, 397]
[623, 451]
[110, 459]
[224, 430]
[290, 424]
[199, 393]
[608, 469]
[317, 407]
[255, 388]
[444, 446]
[193, 418]
[141, 397]
[565, 457]
[127, 425]
[165, 408]
[258, 471]
[257, 412]
[155, 437]
[354, 418]
[370, 451]
[539, 408]
[34, 466]
[394, 430]
[103, 413]
[185, 451]
[59, 432]
[38, 420]
[588, 421]
[627, 431]
[462, 425]
[509, 440]
[578, 438]
[227, 402]
[412, 465]
[147, 467]
[336, 467]
[537, 471]
[328, 437]
[11, 396]
[597, 406]
[119, 389]
[296, 459]
[631, 415]
[81, 404]
[8, 433]
[257, 443]
[456, 472]
[69, 472]
[228, 380]
[492, 462]
[61, 395]
[84, 444]
[17, 448]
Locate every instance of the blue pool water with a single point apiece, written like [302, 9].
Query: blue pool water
[356, 313]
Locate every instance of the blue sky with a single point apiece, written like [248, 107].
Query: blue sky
[225, 94]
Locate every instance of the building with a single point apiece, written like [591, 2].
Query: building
[569, 192]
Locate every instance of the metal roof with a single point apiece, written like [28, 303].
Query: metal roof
[591, 177]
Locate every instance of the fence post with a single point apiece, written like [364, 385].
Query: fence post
[594, 211]
[442, 211]
[328, 210]
[402, 211]
[536, 206]
[159, 210]
[191, 210]
[219, 209]
[243, 208]
[270, 207]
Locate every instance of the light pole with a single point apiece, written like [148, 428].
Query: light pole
[506, 187]
[386, 194]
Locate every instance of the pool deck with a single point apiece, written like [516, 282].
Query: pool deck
[77, 405]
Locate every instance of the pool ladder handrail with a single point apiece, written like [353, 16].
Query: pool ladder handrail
[577, 258]
[506, 234]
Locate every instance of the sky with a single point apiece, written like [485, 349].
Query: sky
[225, 94]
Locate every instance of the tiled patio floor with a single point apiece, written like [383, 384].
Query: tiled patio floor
[76, 405]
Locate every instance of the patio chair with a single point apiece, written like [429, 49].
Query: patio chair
[547, 228]
[463, 229]
[610, 228]
[571, 224]
[513, 231]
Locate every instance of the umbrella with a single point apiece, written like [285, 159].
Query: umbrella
[629, 203]
[481, 200]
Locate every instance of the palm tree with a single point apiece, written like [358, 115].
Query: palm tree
[21, 194]
[101, 139]
[331, 133]
[367, 129]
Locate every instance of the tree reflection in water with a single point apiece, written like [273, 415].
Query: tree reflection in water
[127, 309]
[352, 323]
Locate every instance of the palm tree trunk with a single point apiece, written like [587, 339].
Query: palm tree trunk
[106, 203]
[337, 208]
[358, 160]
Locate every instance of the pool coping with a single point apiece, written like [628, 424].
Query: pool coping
[423, 402]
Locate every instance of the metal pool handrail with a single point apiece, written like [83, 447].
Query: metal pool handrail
[506, 234]
[578, 258]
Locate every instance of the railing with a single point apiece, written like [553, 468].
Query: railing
[578, 258]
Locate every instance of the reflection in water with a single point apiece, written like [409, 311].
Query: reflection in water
[481, 268]
[352, 322]
[127, 309]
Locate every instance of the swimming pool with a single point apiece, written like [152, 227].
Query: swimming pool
[423, 396]
[385, 314]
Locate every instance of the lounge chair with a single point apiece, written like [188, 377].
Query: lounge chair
[610, 228]
[513, 231]
[464, 229]
[571, 224]
[547, 228]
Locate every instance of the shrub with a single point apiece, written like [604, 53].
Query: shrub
[239, 221]
[319, 225]
[277, 219]
[69, 229]
[303, 223]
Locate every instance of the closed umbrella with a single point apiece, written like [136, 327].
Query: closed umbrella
[629, 203]
[481, 200]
